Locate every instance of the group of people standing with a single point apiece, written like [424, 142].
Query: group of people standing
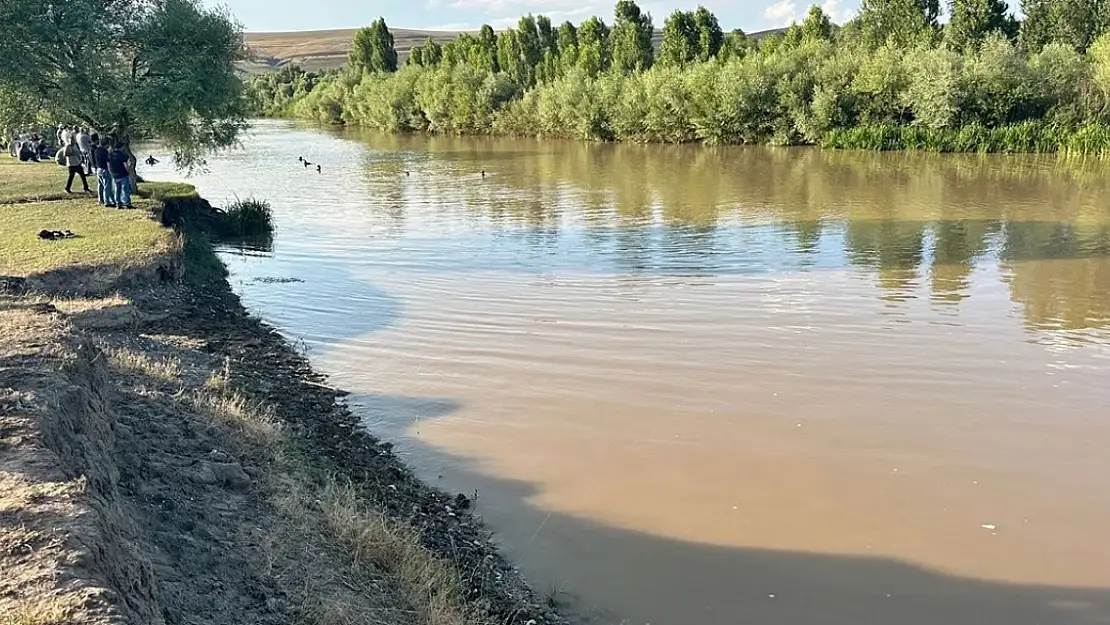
[82, 150]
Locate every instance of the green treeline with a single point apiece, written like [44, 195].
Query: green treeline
[892, 78]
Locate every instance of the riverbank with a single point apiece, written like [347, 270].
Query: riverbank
[167, 458]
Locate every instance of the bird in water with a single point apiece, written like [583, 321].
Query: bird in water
[483, 173]
[306, 163]
[300, 159]
[407, 173]
[318, 169]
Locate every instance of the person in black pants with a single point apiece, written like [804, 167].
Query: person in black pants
[75, 160]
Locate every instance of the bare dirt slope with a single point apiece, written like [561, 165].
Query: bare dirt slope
[320, 50]
[326, 49]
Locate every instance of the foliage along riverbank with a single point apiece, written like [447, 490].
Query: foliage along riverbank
[891, 78]
[166, 458]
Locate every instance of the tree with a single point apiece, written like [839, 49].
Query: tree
[510, 57]
[430, 54]
[1076, 23]
[631, 38]
[735, 46]
[567, 43]
[903, 23]
[817, 26]
[710, 35]
[973, 20]
[549, 49]
[373, 50]
[680, 39]
[161, 69]
[529, 35]
[1036, 28]
[594, 47]
[548, 42]
[484, 54]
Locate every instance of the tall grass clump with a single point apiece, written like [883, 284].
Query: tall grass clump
[246, 218]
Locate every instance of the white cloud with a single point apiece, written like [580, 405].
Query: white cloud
[506, 13]
[786, 12]
[782, 13]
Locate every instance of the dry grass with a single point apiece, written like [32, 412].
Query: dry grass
[73, 305]
[327, 49]
[233, 411]
[372, 543]
[430, 585]
[42, 611]
[166, 370]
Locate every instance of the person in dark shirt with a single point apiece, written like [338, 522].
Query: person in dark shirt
[105, 183]
[27, 152]
[117, 165]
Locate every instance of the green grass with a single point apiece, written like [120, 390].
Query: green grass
[164, 190]
[202, 266]
[106, 236]
[1026, 137]
[21, 182]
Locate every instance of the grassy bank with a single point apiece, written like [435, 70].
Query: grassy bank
[213, 475]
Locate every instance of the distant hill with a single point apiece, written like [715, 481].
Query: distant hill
[317, 50]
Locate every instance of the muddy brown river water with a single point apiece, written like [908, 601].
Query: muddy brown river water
[713, 386]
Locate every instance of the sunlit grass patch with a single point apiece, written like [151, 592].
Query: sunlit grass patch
[104, 237]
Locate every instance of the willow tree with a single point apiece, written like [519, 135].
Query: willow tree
[153, 69]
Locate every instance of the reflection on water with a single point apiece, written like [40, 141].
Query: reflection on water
[720, 385]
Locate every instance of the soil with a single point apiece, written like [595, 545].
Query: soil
[126, 499]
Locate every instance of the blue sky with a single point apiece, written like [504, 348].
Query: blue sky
[280, 15]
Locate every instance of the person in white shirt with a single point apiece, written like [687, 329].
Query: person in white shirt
[84, 141]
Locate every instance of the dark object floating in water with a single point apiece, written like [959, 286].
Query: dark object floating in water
[318, 169]
[407, 173]
[266, 280]
[300, 159]
[51, 235]
[306, 163]
[483, 173]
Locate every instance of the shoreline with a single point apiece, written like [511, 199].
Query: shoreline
[1027, 138]
[196, 466]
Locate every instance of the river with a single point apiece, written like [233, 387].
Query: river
[718, 385]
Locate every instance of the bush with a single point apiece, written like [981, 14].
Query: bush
[247, 218]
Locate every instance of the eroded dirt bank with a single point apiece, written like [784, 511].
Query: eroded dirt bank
[166, 458]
